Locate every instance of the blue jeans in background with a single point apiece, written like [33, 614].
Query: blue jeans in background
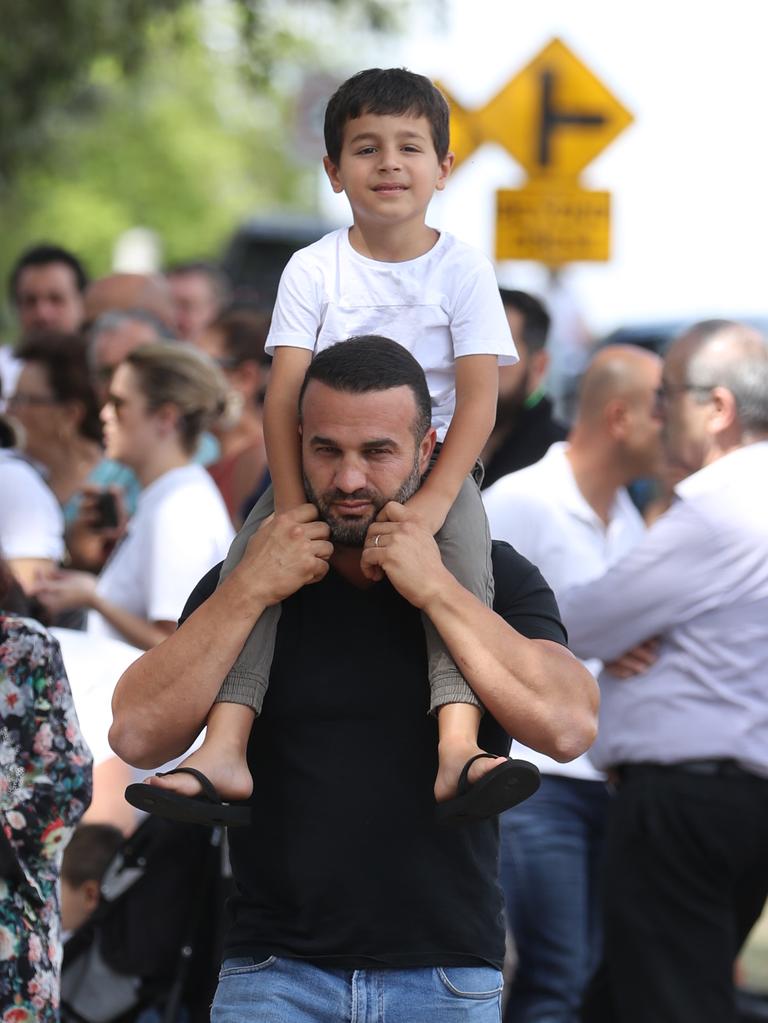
[294, 991]
[551, 847]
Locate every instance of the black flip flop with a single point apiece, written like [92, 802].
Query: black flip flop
[501, 788]
[207, 808]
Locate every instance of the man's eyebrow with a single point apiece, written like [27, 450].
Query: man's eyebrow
[381, 442]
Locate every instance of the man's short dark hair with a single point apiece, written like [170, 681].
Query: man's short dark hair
[372, 363]
[90, 851]
[536, 319]
[220, 283]
[391, 91]
[44, 255]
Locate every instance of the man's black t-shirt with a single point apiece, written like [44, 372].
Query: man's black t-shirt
[344, 863]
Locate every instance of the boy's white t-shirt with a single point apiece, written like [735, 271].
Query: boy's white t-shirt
[181, 529]
[440, 306]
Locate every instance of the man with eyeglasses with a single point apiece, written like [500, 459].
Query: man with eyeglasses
[686, 868]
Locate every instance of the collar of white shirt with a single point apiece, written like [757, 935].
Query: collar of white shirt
[712, 477]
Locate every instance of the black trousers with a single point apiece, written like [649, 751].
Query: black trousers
[686, 877]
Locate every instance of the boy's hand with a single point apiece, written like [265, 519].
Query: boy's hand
[424, 510]
[400, 547]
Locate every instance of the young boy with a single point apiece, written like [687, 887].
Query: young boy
[386, 134]
[86, 858]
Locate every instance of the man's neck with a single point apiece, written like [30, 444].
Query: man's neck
[346, 562]
[728, 443]
[393, 244]
[596, 475]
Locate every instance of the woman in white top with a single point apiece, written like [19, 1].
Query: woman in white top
[161, 398]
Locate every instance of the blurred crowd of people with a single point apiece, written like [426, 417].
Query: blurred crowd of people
[132, 450]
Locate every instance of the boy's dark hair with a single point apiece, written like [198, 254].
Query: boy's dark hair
[42, 255]
[390, 91]
[64, 358]
[536, 319]
[90, 851]
[372, 363]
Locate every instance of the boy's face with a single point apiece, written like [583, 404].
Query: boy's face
[388, 168]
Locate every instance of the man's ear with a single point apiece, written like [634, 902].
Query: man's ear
[724, 412]
[538, 364]
[426, 448]
[446, 164]
[616, 417]
[333, 174]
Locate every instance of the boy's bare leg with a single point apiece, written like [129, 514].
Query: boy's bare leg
[222, 758]
[457, 727]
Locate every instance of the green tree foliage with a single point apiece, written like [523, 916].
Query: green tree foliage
[169, 114]
[46, 54]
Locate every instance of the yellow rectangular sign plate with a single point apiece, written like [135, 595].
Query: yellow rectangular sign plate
[553, 224]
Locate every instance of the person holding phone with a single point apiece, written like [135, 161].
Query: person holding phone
[161, 398]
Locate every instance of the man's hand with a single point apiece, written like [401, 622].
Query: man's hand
[406, 552]
[635, 661]
[289, 551]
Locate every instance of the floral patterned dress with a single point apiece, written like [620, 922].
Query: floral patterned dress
[45, 787]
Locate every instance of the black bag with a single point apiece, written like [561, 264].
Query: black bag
[155, 939]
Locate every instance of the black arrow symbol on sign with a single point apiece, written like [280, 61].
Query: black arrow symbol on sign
[552, 119]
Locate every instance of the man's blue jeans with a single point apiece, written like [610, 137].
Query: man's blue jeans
[551, 847]
[293, 991]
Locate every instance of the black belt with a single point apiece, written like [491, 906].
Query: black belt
[702, 768]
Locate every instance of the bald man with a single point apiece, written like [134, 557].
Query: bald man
[123, 291]
[571, 515]
[686, 854]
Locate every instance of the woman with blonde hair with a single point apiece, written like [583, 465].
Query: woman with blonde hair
[161, 398]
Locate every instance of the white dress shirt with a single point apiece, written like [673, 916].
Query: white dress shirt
[699, 581]
[543, 514]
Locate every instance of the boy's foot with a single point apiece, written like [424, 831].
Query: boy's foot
[452, 755]
[486, 785]
[228, 774]
[207, 808]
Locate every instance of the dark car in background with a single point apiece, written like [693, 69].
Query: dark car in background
[656, 335]
[256, 255]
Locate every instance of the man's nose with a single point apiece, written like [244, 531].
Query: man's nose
[350, 476]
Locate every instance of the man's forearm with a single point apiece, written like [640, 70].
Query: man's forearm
[161, 702]
[536, 689]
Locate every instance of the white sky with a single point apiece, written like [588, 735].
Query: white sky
[688, 179]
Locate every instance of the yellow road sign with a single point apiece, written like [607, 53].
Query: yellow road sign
[465, 128]
[553, 225]
[554, 116]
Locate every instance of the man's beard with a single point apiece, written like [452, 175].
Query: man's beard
[510, 405]
[352, 532]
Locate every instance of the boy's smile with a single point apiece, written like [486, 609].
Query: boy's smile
[389, 170]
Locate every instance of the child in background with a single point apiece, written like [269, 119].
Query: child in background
[390, 274]
[86, 858]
